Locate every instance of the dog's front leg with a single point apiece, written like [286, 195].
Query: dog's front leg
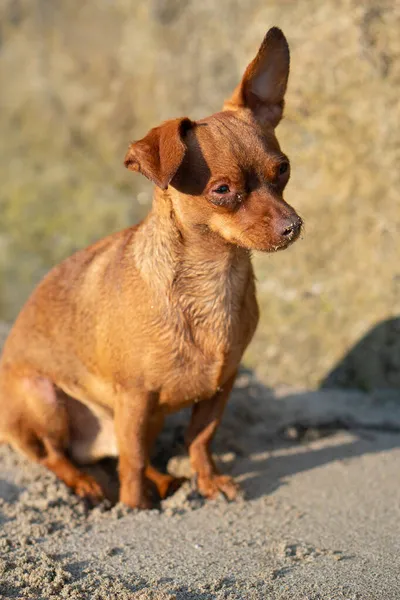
[206, 417]
[132, 416]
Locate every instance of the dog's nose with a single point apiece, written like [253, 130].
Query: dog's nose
[292, 227]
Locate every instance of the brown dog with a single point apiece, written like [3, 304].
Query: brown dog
[157, 317]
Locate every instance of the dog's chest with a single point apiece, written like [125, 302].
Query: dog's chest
[209, 328]
[197, 367]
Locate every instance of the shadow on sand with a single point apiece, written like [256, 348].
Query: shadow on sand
[373, 362]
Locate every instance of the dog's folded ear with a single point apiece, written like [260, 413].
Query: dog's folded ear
[264, 82]
[160, 153]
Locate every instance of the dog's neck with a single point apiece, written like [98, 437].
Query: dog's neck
[201, 281]
[188, 260]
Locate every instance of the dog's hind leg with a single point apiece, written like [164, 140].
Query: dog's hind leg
[35, 422]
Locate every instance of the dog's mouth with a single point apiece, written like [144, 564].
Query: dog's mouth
[270, 248]
[264, 240]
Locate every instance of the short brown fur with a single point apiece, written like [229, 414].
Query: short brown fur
[157, 317]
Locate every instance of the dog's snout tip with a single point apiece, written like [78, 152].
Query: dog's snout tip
[293, 227]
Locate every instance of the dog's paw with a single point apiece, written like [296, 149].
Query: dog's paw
[210, 487]
[88, 488]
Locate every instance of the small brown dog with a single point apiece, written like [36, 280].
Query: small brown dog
[156, 317]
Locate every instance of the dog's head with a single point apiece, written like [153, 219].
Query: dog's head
[226, 174]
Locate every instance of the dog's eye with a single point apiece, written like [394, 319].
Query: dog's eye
[283, 168]
[222, 189]
[225, 196]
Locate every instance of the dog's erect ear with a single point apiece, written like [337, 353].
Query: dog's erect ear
[264, 82]
[160, 153]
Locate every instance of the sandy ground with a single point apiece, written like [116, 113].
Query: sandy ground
[319, 520]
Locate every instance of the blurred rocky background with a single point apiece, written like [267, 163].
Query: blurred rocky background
[79, 80]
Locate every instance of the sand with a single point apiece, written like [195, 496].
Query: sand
[319, 517]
